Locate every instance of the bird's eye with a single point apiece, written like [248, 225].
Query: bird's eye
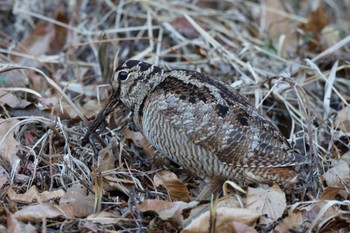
[123, 75]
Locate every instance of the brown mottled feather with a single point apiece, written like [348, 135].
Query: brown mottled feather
[205, 125]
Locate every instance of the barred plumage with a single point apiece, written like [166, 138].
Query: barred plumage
[204, 125]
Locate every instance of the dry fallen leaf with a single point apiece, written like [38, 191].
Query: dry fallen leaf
[226, 220]
[270, 201]
[139, 140]
[104, 218]
[75, 192]
[9, 99]
[59, 36]
[8, 144]
[317, 20]
[80, 208]
[3, 177]
[78, 205]
[36, 43]
[79, 88]
[292, 222]
[107, 156]
[329, 193]
[114, 183]
[33, 195]
[13, 225]
[343, 119]
[338, 175]
[168, 210]
[176, 189]
[91, 108]
[34, 213]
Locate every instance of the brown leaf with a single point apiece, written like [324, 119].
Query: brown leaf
[38, 212]
[228, 201]
[91, 108]
[79, 206]
[15, 226]
[104, 218]
[317, 20]
[329, 193]
[270, 201]
[176, 189]
[320, 211]
[8, 144]
[292, 222]
[113, 183]
[59, 34]
[33, 195]
[82, 207]
[59, 108]
[9, 99]
[36, 43]
[3, 179]
[139, 140]
[106, 157]
[75, 192]
[226, 219]
[343, 119]
[338, 175]
[167, 210]
[79, 88]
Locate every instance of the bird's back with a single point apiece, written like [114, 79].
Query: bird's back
[206, 126]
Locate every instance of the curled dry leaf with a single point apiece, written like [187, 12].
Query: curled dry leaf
[8, 144]
[279, 25]
[106, 156]
[176, 189]
[343, 119]
[317, 20]
[226, 220]
[113, 183]
[139, 140]
[227, 201]
[309, 215]
[270, 201]
[329, 193]
[88, 90]
[33, 195]
[168, 210]
[104, 218]
[9, 99]
[82, 207]
[3, 178]
[292, 222]
[75, 192]
[34, 213]
[55, 106]
[338, 175]
[91, 108]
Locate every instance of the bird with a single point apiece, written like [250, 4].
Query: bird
[202, 124]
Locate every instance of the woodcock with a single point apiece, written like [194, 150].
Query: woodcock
[202, 124]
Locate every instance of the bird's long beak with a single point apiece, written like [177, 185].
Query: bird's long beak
[110, 106]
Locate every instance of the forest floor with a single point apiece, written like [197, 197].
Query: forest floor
[290, 59]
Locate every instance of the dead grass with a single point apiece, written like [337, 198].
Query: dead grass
[55, 59]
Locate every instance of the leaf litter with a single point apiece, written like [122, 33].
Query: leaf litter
[291, 60]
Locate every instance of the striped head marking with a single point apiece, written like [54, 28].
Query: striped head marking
[134, 79]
